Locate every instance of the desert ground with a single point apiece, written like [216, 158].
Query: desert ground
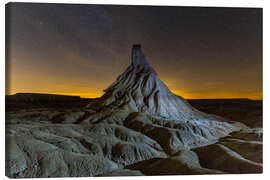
[46, 139]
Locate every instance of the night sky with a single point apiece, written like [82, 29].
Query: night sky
[81, 49]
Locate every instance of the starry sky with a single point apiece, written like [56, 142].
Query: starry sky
[81, 49]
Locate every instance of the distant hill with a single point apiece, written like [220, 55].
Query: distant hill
[38, 97]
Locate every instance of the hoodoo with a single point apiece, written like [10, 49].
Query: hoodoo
[138, 127]
[139, 89]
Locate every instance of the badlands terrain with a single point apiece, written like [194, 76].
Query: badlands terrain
[138, 127]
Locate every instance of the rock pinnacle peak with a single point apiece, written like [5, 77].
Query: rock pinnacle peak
[137, 57]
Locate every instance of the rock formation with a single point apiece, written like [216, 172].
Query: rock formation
[139, 89]
[138, 127]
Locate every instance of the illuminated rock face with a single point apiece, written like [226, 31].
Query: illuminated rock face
[139, 89]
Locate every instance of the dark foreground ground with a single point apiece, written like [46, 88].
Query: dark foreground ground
[246, 111]
[56, 136]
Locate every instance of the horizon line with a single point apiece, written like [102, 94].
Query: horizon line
[70, 94]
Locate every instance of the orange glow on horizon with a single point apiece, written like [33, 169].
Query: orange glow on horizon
[219, 95]
[34, 82]
[209, 95]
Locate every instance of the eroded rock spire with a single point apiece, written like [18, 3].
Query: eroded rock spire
[138, 60]
[139, 89]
